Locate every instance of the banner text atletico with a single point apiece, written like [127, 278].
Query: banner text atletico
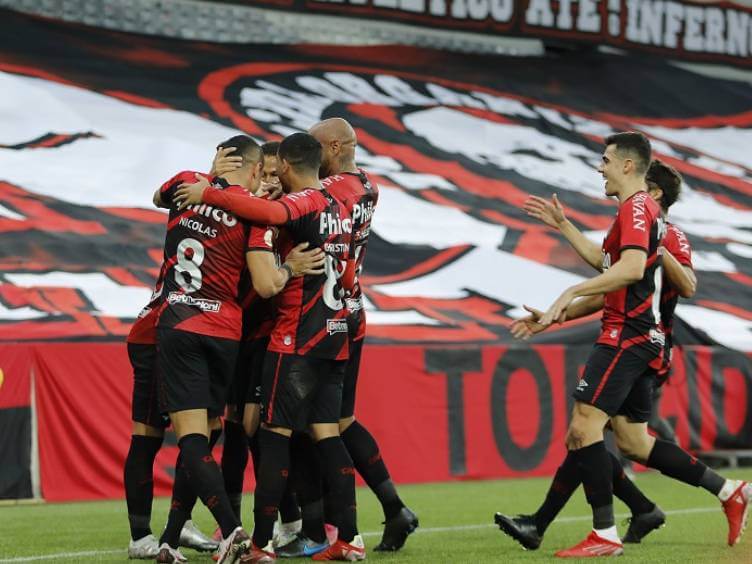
[682, 29]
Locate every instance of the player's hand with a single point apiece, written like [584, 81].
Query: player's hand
[222, 163]
[549, 212]
[272, 189]
[191, 194]
[527, 326]
[558, 310]
[303, 262]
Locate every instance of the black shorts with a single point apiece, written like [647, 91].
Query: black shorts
[196, 370]
[351, 379]
[298, 391]
[145, 399]
[617, 382]
[246, 384]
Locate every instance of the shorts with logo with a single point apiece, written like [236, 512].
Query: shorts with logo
[618, 382]
[298, 391]
[145, 400]
[196, 370]
[246, 384]
[351, 379]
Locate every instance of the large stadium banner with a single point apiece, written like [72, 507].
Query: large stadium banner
[93, 121]
[683, 29]
[439, 413]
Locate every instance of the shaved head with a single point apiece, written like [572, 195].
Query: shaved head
[338, 140]
[333, 129]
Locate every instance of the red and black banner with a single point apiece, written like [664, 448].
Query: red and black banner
[438, 414]
[15, 422]
[94, 121]
[682, 29]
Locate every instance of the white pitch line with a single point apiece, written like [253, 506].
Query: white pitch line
[424, 530]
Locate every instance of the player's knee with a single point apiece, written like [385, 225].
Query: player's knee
[635, 446]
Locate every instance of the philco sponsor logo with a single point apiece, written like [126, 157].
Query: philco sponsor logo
[331, 224]
[362, 212]
[336, 326]
[214, 213]
[211, 306]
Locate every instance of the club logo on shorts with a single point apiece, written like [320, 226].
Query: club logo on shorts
[336, 326]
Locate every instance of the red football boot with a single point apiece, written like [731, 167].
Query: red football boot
[736, 508]
[341, 550]
[593, 545]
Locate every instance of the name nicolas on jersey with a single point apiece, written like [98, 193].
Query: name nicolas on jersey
[209, 212]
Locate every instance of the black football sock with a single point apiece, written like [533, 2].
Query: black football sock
[138, 477]
[565, 482]
[626, 490]
[274, 450]
[214, 436]
[206, 480]
[675, 462]
[306, 477]
[368, 462]
[339, 474]
[254, 450]
[313, 521]
[234, 460]
[594, 464]
[289, 510]
[183, 497]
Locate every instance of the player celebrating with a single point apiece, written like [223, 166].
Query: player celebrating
[664, 186]
[628, 423]
[304, 365]
[198, 331]
[352, 186]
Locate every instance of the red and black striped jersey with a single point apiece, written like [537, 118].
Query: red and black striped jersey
[311, 315]
[360, 196]
[631, 315]
[144, 331]
[676, 243]
[204, 254]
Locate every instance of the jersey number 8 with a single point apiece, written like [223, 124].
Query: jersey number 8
[190, 255]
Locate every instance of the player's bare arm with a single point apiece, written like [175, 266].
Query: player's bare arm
[552, 214]
[628, 269]
[269, 279]
[527, 326]
[679, 276]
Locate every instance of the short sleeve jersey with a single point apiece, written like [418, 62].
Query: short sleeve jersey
[631, 315]
[204, 255]
[311, 314]
[676, 243]
[360, 196]
[143, 331]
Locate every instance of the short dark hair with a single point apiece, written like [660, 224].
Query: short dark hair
[668, 179]
[302, 151]
[270, 149]
[245, 147]
[634, 143]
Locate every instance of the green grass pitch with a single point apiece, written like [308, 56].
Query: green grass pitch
[456, 526]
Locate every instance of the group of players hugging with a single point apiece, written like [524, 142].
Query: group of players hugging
[257, 318]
